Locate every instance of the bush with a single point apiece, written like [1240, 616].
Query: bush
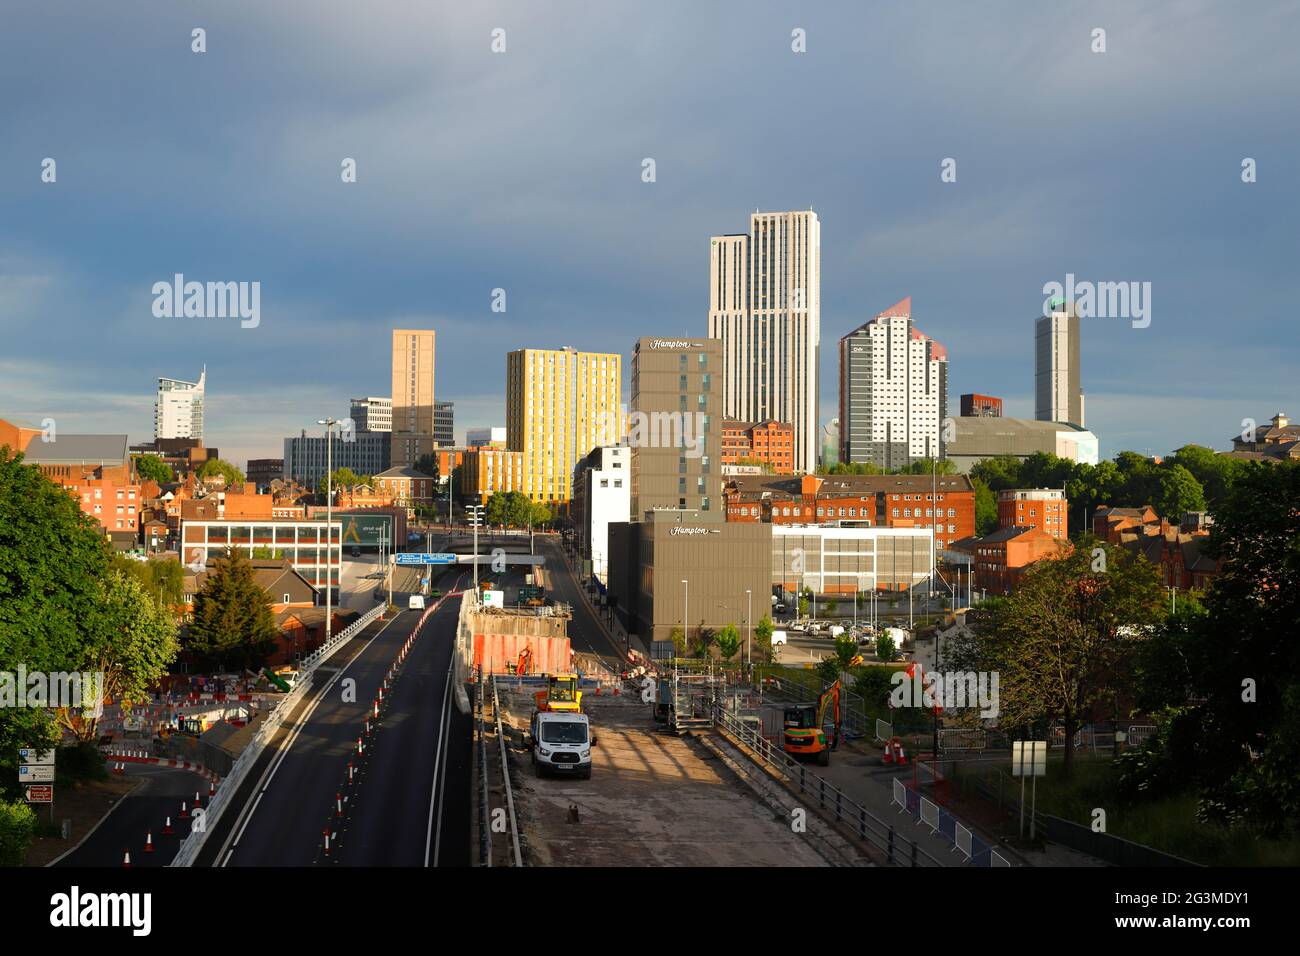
[81, 762]
[17, 825]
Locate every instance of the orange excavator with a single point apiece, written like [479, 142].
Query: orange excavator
[805, 726]
[524, 664]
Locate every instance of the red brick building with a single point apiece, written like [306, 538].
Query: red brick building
[999, 560]
[946, 503]
[770, 442]
[1044, 508]
[974, 405]
[1177, 550]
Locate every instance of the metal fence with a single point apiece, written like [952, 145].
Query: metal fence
[515, 854]
[193, 843]
[884, 836]
[928, 813]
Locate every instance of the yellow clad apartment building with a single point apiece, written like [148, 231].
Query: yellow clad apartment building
[560, 404]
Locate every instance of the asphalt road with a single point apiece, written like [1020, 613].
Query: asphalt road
[585, 634]
[294, 800]
[141, 812]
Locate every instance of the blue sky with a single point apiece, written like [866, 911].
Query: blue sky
[522, 171]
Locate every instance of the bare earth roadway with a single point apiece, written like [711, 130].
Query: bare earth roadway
[397, 796]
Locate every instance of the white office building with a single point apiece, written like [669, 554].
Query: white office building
[602, 496]
[893, 391]
[372, 414]
[178, 410]
[765, 306]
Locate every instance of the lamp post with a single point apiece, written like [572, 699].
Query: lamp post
[475, 512]
[329, 424]
[749, 627]
[686, 612]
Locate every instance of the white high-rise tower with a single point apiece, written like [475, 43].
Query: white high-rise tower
[765, 306]
[178, 410]
[1058, 394]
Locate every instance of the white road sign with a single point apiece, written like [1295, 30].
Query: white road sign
[34, 757]
[38, 774]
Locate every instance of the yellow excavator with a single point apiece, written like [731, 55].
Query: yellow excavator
[805, 727]
[561, 694]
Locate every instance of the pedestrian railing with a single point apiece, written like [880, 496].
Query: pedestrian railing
[198, 835]
[515, 854]
[867, 826]
[928, 813]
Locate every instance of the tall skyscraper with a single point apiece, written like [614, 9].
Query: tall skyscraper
[893, 391]
[413, 417]
[178, 410]
[1058, 394]
[560, 404]
[675, 428]
[372, 414]
[765, 306]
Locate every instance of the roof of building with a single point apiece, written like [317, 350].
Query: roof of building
[753, 487]
[406, 471]
[77, 448]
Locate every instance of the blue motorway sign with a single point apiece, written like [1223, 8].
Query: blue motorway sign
[418, 557]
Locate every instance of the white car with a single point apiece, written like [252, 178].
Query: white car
[416, 603]
[561, 743]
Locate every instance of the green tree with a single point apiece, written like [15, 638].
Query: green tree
[232, 615]
[829, 606]
[163, 579]
[728, 641]
[1062, 641]
[828, 670]
[678, 637]
[131, 642]
[1230, 677]
[986, 508]
[343, 478]
[153, 468]
[215, 467]
[763, 631]
[886, 650]
[17, 826]
[52, 558]
[998, 473]
[1176, 492]
[845, 650]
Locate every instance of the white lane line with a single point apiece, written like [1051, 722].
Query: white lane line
[429, 837]
[269, 774]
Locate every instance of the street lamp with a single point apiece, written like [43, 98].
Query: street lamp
[686, 612]
[749, 626]
[475, 513]
[329, 424]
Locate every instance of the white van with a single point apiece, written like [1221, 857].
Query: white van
[561, 743]
[778, 637]
[416, 603]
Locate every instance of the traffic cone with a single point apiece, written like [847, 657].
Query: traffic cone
[148, 842]
[126, 859]
[889, 752]
[902, 755]
[338, 804]
[184, 814]
[167, 827]
[327, 841]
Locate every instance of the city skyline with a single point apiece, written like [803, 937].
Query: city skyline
[340, 268]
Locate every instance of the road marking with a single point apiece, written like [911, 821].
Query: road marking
[268, 775]
[434, 796]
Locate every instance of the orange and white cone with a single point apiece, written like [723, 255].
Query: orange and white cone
[126, 859]
[148, 842]
[167, 828]
[185, 813]
[900, 753]
[889, 752]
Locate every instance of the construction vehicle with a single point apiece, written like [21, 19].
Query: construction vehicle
[561, 694]
[805, 727]
[283, 678]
